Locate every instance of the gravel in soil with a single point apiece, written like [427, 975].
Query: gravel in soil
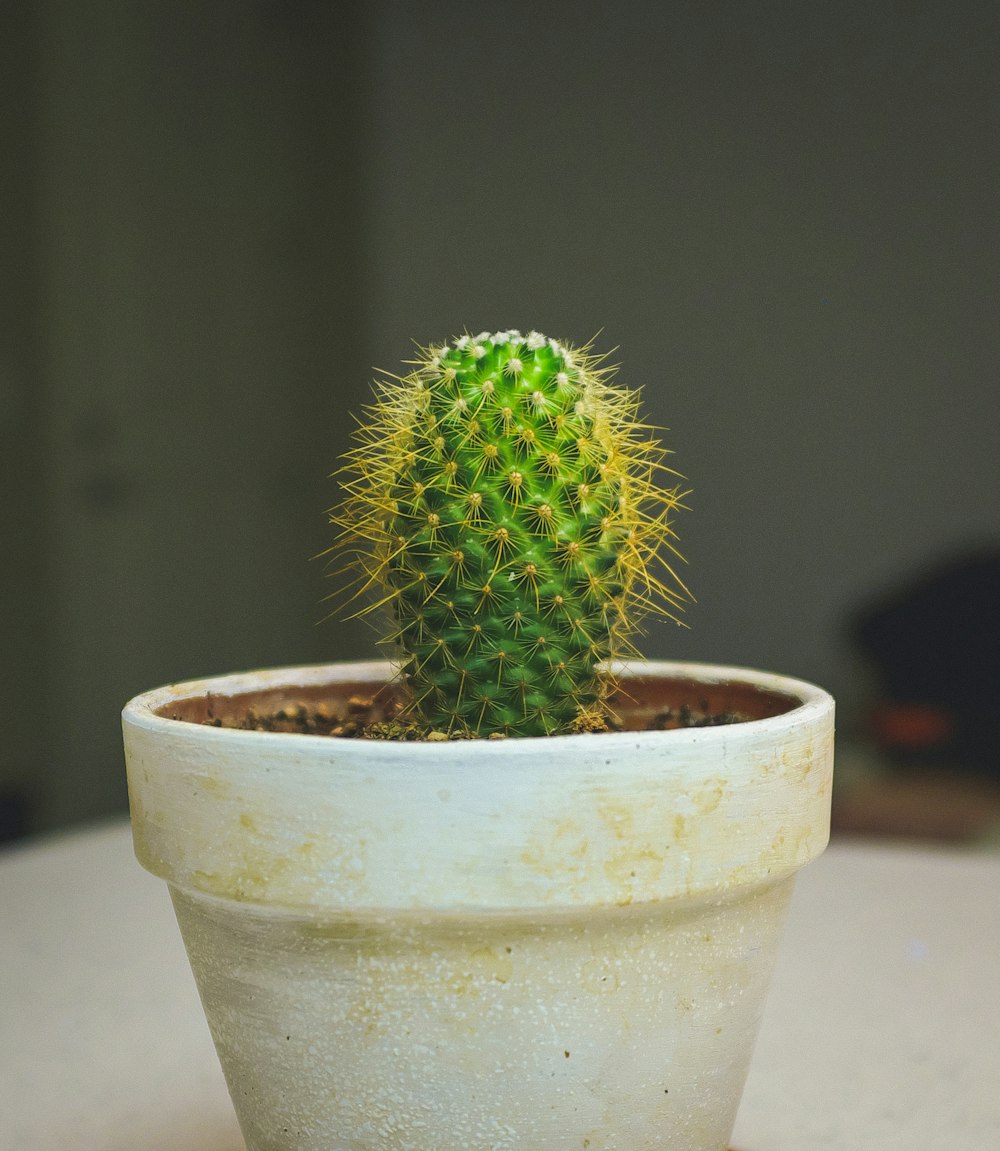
[359, 717]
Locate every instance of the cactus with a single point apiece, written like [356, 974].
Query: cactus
[504, 499]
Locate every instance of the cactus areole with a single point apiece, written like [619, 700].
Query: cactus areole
[504, 501]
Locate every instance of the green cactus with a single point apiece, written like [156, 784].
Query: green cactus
[504, 499]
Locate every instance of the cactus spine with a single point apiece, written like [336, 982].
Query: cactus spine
[504, 499]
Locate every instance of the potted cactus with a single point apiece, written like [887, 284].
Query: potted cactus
[517, 912]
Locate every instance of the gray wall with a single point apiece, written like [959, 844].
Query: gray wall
[782, 215]
[785, 218]
[194, 317]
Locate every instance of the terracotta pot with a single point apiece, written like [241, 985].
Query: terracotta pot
[518, 944]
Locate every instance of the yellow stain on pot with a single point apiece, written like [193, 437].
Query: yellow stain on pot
[618, 819]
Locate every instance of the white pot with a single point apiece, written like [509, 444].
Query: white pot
[524, 944]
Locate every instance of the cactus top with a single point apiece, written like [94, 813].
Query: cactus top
[503, 499]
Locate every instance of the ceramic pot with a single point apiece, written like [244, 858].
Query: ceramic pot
[525, 944]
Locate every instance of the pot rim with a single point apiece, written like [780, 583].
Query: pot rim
[630, 817]
[808, 702]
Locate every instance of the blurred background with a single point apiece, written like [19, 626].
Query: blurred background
[219, 218]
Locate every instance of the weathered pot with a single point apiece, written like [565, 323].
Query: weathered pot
[517, 944]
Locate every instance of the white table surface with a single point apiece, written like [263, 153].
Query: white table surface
[882, 1030]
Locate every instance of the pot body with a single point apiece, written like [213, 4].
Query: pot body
[520, 944]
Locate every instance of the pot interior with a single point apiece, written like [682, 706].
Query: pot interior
[640, 703]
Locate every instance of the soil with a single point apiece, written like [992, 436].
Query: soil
[368, 717]
[362, 708]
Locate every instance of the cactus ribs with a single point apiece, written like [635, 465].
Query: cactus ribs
[503, 502]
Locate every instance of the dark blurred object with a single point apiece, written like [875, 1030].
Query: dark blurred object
[13, 815]
[924, 804]
[935, 645]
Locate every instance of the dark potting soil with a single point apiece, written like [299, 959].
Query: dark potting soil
[365, 717]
